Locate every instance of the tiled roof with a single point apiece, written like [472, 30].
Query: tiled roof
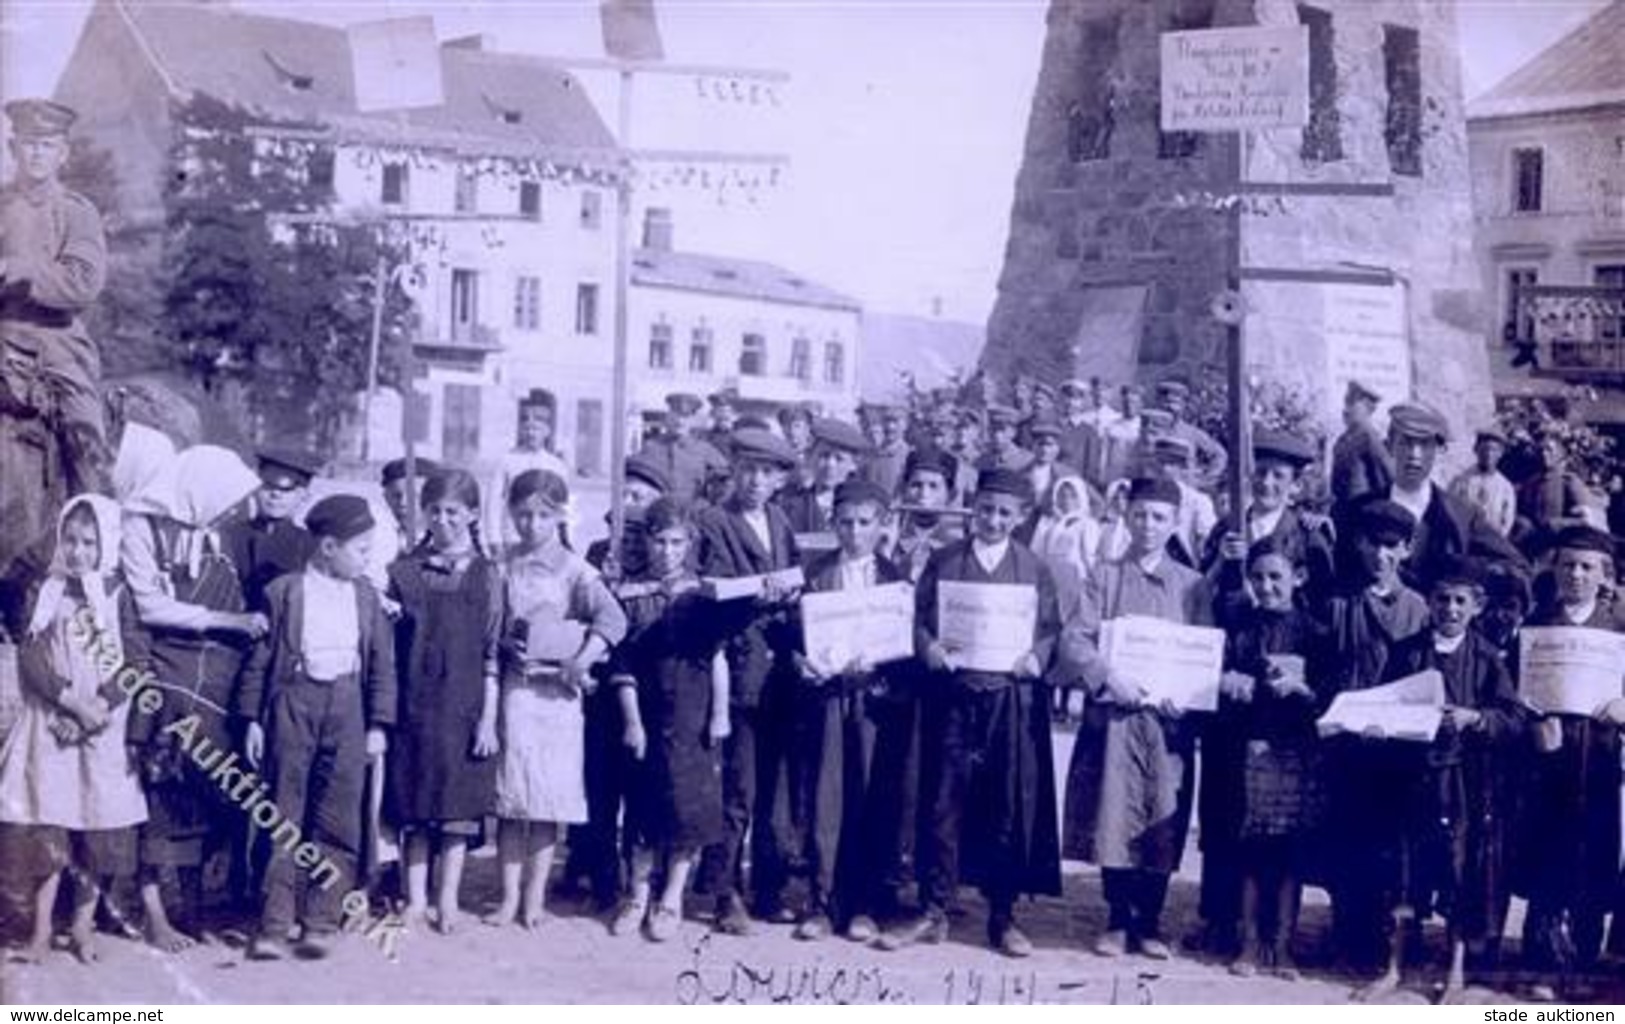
[498, 103]
[1583, 69]
[723, 275]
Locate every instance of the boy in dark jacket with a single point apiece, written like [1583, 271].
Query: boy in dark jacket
[319, 691]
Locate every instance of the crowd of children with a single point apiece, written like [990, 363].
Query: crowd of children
[689, 740]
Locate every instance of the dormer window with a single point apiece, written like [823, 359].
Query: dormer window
[298, 81]
[507, 113]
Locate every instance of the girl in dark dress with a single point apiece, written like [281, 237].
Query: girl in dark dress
[442, 771]
[673, 692]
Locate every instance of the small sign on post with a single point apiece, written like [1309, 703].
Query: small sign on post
[1235, 79]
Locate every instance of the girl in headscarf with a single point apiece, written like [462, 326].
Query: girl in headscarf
[190, 599]
[1067, 538]
[65, 775]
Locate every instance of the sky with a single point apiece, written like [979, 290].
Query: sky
[903, 121]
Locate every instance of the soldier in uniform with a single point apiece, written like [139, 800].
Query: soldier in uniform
[53, 263]
[1211, 458]
[1360, 462]
[1002, 451]
[884, 467]
[724, 418]
[687, 460]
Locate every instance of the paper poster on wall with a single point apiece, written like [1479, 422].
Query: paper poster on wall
[1366, 340]
[1228, 79]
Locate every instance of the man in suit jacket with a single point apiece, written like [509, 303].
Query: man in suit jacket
[837, 447]
[1360, 464]
[748, 535]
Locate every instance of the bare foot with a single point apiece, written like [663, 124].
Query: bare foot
[166, 938]
[1378, 989]
[1454, 995]
[448, 921]
[33, 953]
[84, 945]
[533, 920]
[501, 917]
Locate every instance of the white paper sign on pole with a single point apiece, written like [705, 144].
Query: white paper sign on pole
[1234, 79]
[986, 627]
[875, 622]
[1171, 662]
[1367, 341]
[1570, 670]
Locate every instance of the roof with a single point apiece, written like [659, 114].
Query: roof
[299, 70]
[932, 351]
[736, 278]
[1586, 68]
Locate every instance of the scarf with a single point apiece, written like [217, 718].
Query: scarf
[143, 455]
[98, 589]
[196, 490]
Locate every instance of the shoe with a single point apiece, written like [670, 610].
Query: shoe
[930, 928]
[662, 923]
[264, 948]
[312, 947]
[628, 918]
[1155, 949]
[1012, 941]
[1541, 992]
[732, 919]
[1113, 943]
[862, 929]
[813, 928]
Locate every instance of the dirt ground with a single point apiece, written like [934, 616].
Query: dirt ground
[574, 959]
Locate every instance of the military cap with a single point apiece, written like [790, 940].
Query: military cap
[1158, 420]
[1005, 481]
[1177, 450]
[1358, 392]
[1279, 446]
[1490, 434]
[1384, 521]
[640, 468]
[1044, 426]
[1155, 488]
[1074, 386]
[36, 118]
[763, 446]
[840, 435]
[1173, 389]
[753, 422]
[1409, 419]
[1585, 538]
[861, 489]
[683, 402]
[727, 396]
[340, 516]
[931, 460]
[285, 469]
[395, 469]
[1002, 416]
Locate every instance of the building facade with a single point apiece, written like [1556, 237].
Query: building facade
[1548, 158]
[1351, 235]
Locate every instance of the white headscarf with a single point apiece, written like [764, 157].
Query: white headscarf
[143, 455]
[98, 590]
[202, 484]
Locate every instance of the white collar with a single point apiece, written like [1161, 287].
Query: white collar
[1415, 502]
[988, 556]
[1448, 645]
[1588, 609]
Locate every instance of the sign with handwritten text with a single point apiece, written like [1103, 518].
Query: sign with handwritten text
[1570, 670]
[876, 623]
[1230, 79]
[1172, 662]
[986, 627]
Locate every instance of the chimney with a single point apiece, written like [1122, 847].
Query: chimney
[480, 41]
[657, 229]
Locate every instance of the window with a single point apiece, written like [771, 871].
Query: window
[1528, 167]
[460, 423]
[586, 309]
[699, 350]
[1514, 326]
[1089, 120]
[660, 346]
[1186, 16]
[1610, 276]
[801, 358]
[1322, 136]
[394, 191]
[589, 436]
[753, 355]
[592, 210]
[1402, 70]
[465, 305]
[321, 168]
[527, 303]
[466, 199]
[834, 363]
[530, 200]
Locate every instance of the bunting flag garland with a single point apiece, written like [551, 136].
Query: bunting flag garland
[725, 89]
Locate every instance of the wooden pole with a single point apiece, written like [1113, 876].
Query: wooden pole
[380, 282]
[623, 273]
[1241, 432]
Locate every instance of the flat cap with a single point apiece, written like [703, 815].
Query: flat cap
[341, 516]
[1002, 416]
[395, 469]
[640, 468]
[1074, 386]
[752, 421]
[931, 460]
[1585, 538]
[1358, 392]
[1384, 521]
[1410, 419]
[1503, 581]
[1173, 388]
[1456, 570]
[683, 402]
[1155, 488]
[726, 396]
[861, 489]
[37, 118]
[1490, 434]
[1176, 450]
[1005, 481]
[1044, 426]
[1279, 446]
[284, 468]
[840, 435]
[760, 445]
